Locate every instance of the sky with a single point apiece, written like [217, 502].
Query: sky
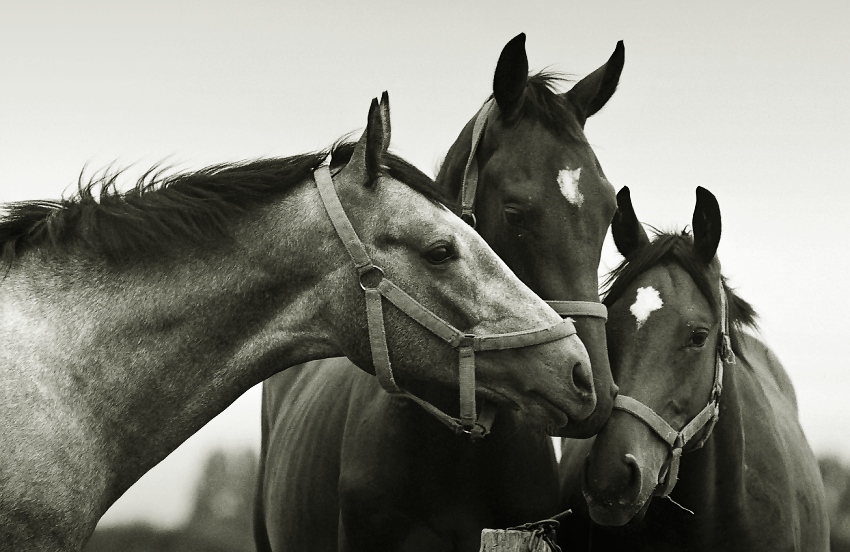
[747, 99]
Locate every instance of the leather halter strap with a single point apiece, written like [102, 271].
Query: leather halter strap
[469, 186]
[466, 344]
[706, 419]
[579, 308]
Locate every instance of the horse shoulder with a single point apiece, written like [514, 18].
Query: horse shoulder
[304, 417]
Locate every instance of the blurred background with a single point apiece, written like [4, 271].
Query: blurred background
[749, 100]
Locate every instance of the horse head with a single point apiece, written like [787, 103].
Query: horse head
[458, 286]
[667, 335]
[542, 200]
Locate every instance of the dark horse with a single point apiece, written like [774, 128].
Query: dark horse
[746, 481]
[345, 465]
[127, 321]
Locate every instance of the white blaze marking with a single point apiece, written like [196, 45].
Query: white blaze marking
[568, 182]
[648, 300]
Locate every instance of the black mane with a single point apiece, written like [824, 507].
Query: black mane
[678, 248]
[162, 213]
[542, 103]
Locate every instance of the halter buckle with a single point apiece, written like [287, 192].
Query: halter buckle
[476, 431]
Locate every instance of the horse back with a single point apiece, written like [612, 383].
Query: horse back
[779, 462]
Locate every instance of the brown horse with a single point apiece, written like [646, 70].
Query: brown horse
[348, 466]
[746, 481]
[128, 321]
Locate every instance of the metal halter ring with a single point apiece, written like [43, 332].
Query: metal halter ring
[470, 219]
[371, 269]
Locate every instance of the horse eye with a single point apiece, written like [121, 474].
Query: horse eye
[514, 217]
[698, 338]
[440, 253]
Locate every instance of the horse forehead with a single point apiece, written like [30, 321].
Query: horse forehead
[667, 288]
[529, 146]
[397, 197]
[653, 290]
[414, 214]
[576, 179]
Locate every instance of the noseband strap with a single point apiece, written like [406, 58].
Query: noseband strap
[580, 308]
[706, 419]
[376, 286]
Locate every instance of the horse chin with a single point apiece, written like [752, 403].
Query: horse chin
[536, 411]
[613, 513]
[546, 416]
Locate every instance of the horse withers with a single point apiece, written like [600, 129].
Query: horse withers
[347, 466]
[706, 417]
[129, 320]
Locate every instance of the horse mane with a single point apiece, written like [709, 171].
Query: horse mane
[162, 213]
[678, 248]
[542, 103]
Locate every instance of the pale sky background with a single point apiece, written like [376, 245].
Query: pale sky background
[748, 99]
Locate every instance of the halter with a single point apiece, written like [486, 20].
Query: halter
[375, 286]
[707, 417]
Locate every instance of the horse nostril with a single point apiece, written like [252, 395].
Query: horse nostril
[632, 490]
[583, 378]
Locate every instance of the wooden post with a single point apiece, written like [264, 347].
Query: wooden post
[538, 536]
[512, 540]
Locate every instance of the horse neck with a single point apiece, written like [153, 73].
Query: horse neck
[118, 366]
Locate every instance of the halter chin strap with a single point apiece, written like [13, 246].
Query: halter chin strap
[706, 419]
[375, 286]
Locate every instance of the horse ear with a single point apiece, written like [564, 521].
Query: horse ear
[592, 92]
[511, 74]
[629, 235]
[386, 127]
[706, 225]
[365, 163]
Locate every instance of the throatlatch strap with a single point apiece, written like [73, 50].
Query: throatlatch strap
[470, 172]
[580, 308]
